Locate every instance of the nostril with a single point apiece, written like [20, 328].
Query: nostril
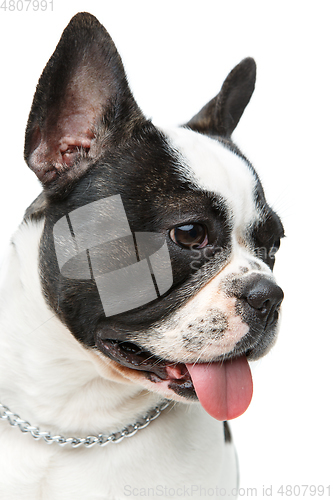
[258, 301]
[266, 306]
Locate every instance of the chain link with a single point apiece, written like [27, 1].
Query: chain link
[89, 441]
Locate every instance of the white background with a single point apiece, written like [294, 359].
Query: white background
[176, 54]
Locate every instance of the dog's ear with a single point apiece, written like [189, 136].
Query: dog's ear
[221, 115]
[82, 100]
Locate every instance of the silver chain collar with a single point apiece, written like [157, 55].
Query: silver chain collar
[89, 441]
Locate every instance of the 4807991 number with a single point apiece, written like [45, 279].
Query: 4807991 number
[26, 5]
[304, 490]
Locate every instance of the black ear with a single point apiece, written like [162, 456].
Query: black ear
[221, 115]
[82, 100]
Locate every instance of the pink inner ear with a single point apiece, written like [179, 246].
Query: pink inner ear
[69, 128]
[54, 155]
[70, 147]
[81, 106]
[68, 133]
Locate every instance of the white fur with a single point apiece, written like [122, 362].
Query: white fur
[48, 378]
[212, 166]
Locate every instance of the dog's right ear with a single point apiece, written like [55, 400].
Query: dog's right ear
[222, 114]
[82, 100]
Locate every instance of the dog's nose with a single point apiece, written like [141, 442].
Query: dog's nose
[264, 296]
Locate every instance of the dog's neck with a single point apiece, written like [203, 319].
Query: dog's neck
[49, 376]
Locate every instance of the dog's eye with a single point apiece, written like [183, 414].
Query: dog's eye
[190, 236]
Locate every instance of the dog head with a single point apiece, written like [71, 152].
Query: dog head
[158, 245]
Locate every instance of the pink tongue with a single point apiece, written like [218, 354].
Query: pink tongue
[224, 389]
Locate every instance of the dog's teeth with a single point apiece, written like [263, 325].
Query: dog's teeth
[174, 372]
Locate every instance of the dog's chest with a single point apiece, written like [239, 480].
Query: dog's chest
[165, 458]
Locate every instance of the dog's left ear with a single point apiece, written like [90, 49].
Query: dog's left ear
[222, 114]
[82, 105]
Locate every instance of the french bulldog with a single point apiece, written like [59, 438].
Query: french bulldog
[135, 292]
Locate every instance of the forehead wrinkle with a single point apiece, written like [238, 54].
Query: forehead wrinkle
[211, 166]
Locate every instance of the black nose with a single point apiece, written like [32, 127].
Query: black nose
[265, 297]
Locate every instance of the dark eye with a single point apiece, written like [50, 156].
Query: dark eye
[190, 236]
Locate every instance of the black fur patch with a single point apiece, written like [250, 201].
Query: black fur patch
[227, 433]
[144, 172]
[184, 389]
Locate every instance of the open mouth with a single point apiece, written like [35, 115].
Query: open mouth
[224, 388]
[156, 369]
